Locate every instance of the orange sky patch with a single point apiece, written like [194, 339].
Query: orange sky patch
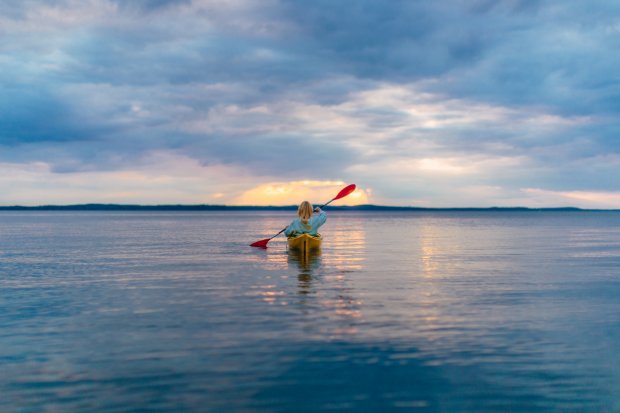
[292, 193]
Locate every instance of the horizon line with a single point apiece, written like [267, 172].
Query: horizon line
[221, 207]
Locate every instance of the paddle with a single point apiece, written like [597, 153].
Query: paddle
[344, 192]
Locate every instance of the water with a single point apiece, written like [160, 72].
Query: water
[429, 312]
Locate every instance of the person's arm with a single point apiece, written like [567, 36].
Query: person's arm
[291, 229]
[288, 231]
[320, 218]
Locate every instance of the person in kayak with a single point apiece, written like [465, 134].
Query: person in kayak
[306, 222]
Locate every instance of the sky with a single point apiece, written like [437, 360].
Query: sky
[453, 103]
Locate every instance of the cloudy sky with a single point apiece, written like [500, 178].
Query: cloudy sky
[426, 103]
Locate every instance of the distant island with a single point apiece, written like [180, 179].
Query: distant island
[206, 207]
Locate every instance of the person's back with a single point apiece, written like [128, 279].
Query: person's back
[306, 223]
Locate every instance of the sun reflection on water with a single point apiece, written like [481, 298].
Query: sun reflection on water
[347, 249]
[324, 280]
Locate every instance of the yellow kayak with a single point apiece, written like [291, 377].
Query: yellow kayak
[305, 242]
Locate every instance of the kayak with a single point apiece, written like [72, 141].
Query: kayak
[305, 242]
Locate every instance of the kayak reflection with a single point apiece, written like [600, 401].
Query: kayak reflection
[307, 262]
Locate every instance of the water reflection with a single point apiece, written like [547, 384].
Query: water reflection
[307, 263]
[348, 246]
[462, 312]
[324, 287]
[322, 281]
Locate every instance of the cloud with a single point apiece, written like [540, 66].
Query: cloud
[150, 5]
[158, 178]
[420, 101]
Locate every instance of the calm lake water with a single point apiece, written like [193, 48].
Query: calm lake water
[420, 311]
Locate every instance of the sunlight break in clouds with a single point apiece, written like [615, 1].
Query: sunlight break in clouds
[292, 193]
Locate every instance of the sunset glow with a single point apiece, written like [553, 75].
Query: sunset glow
[292, 193]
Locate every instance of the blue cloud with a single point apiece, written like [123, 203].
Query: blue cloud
[96, 88]
[150, 5]
[400, 40]
[33, 113]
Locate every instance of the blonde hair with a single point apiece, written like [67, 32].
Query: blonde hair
[305, 211]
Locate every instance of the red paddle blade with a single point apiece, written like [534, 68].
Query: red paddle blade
[260, 244]
[345, 191]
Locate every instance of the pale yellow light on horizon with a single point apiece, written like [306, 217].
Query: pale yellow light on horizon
[582, 199]
[293, 192]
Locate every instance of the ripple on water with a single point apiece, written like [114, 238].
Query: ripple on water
[462, 312]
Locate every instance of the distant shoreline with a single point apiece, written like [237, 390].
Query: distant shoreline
[206, 207]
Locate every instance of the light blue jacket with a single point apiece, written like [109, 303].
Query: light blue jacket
[297, 227]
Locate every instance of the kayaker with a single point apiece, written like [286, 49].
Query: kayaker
[306, 222]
